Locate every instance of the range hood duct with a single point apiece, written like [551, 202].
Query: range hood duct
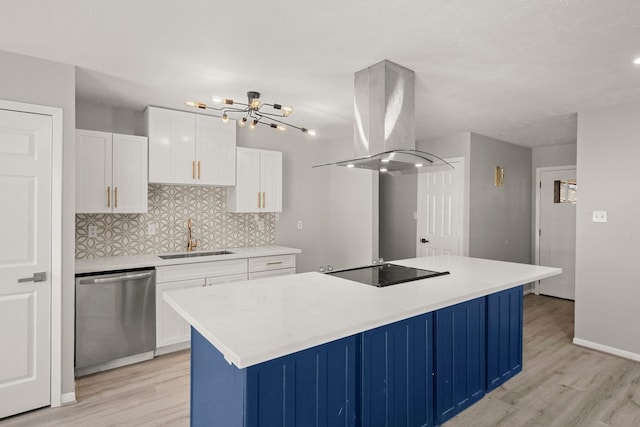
[384, 128]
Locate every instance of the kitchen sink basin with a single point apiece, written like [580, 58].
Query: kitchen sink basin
[195, 254]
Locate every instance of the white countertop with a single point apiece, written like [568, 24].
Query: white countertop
[153, 260]
[256, 321]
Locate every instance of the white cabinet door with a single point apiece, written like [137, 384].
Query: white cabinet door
[258, 182]
[271, 180]
[215, 151]
[246, 195]
[129, 174]
[171, 328]
[171, 146]
[93, 172]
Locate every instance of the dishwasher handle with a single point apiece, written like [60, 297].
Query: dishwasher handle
[114, 279]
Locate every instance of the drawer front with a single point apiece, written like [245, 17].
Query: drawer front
[272, 273]
[226, 279]
[195, 270]
[275, 262]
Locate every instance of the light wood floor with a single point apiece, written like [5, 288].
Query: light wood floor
[561, 385]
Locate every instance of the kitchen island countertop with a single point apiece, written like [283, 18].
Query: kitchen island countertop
[256, 321]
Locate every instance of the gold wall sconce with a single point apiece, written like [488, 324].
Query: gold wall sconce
[499, 177]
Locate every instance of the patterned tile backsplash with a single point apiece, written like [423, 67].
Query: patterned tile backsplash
[170, 206]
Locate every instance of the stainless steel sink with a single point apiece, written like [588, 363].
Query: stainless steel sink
[195, 254]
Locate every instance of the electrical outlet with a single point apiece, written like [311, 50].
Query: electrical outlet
[260, 225]
[93, 231]
[151, 229]
[599, 216]
[299, 224]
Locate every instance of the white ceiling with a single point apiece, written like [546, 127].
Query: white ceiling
[516, 70]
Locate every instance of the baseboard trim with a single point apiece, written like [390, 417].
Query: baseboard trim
[68, 398]
[607, 349]
[527, 291]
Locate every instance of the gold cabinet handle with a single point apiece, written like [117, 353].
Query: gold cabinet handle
[258, 200]
[115, 196]
[274, 263]
[198, 169]
[193, 170]
[264, 198]
[108, 196]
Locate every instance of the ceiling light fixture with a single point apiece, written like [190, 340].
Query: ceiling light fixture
[254, 110]
[637, 61]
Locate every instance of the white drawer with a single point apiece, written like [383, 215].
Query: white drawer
[198, 270]
[274, 262]
[272, 273]
[226, 279]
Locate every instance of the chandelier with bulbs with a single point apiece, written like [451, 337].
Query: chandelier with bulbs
[252, 113]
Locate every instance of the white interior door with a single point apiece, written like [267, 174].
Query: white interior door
[25, 252]
[557, 230]
[440, 211]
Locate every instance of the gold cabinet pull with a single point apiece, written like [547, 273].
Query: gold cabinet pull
[193, 170]
[274, 263]
[108, 196]
[264, 198]
[258, 200]
[198, 169]
[115, 196]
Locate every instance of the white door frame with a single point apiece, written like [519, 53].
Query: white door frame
[56, 238]
[536, 233]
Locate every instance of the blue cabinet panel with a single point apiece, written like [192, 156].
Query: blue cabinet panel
[397, 374]
[217, 388]
[460, 353]
[314, 387]
[504, 336]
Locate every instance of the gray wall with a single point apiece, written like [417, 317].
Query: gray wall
[547, 156]
[36, 81]
[397, 227]
[105, 118]
[607, 284]
[500, 217]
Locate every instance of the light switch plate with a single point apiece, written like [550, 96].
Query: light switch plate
[299, 224]
[93, 231]
[599, 216]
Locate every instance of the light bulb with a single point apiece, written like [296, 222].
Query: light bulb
[286, 111]
[225, 118]
[350, 165]
[637, 61]
[309, 132]
[419, 165]
[242, 122]
[196, 104]
[385, 160]
[253, 124]
[383, 169]
[216, 99]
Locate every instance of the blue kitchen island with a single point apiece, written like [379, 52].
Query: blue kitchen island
[317, 350]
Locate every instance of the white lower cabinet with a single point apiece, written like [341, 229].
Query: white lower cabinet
[172, 331]
[171, 328]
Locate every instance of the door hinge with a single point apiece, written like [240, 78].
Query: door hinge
[539, 232]
[540, 183]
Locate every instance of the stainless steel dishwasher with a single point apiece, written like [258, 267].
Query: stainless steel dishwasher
[115, 319]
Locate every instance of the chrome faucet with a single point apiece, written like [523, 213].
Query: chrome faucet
[191, 242]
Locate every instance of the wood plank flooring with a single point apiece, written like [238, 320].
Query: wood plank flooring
[561, 385]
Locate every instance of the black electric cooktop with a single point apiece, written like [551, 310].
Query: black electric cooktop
[385, 274]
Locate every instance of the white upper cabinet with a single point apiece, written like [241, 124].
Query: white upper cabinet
[188, 148]
[215, 151]
[111, 173]
[258, 182]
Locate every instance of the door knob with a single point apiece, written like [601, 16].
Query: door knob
[37, 277]
[423, 240]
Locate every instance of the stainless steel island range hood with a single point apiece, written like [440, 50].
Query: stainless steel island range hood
[384, 129]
